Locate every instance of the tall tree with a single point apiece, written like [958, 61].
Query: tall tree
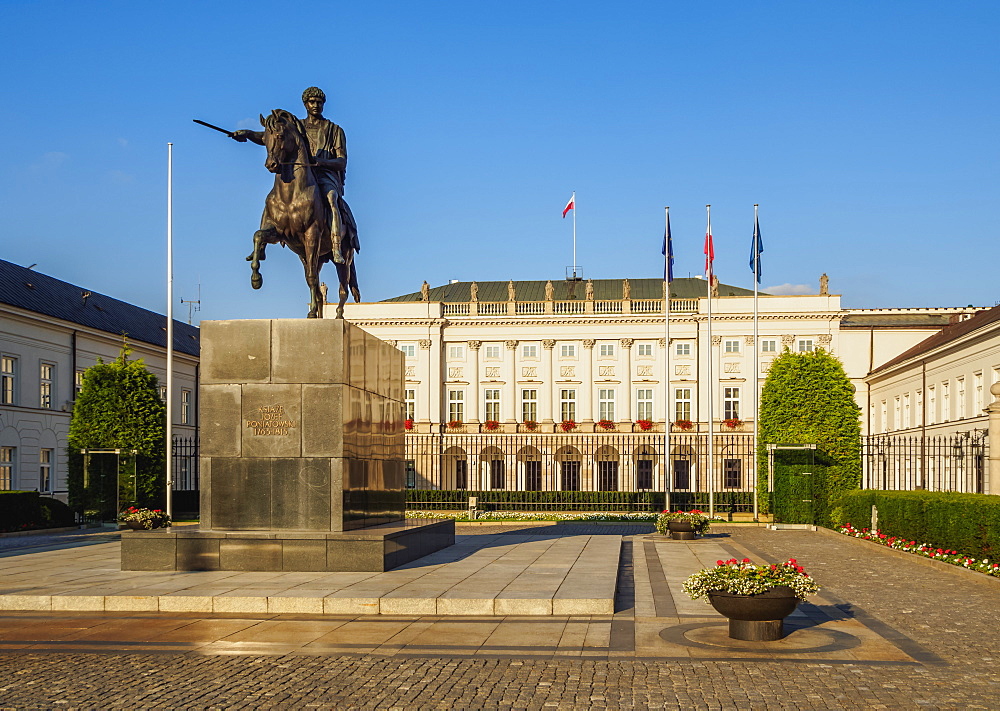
[807, 398]
[118, 407]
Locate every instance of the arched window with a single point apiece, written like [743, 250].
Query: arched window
[606, 462]
[569, 460]
[531, 464]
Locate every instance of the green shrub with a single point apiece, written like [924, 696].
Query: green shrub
[967, 523]
[27, 510]
[808, 399]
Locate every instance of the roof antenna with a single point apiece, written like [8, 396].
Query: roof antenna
[33, 265]
[85, 295]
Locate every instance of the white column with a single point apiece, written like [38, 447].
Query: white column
[472, 416]
[434, 379]
[586, 394]
[547, 394]
[993, 471]
[506, 403]
[626, 414]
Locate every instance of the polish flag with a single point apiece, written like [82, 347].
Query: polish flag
[709, 252]
[571, 205]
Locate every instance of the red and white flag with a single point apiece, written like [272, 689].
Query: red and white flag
[709, 250]
[571, 205]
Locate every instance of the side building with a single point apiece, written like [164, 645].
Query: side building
[50, 332]
[565, 385]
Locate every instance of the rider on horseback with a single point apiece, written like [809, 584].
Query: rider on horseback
[328, 148]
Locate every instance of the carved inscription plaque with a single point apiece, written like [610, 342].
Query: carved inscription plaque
[271, 421]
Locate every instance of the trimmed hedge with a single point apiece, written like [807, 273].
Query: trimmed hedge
[28, 510]
[967, 523]
[581, 500]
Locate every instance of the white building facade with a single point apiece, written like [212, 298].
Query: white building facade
[530, 359]
[50, 332]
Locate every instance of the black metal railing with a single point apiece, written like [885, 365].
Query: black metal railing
[940, 463]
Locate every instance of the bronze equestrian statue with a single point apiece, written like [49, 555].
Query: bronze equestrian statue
[305, 209]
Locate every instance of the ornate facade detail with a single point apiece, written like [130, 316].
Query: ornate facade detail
[716, 340]
[411, 371]
[391, 342]
[529, 372]
[787, 339]
[748, 340]
[475, 345]
[731, 367]
[765, 367]
[473, 292]
[493, 372]
[588, 343]
[425, 344]
[824, 339]
[682, 370]
[589, 290]
[627, 342]
[548, 344]
[644, 371]
[606, 371]
[567, 371]
[626, 290]
[511, 293]
[662, 342]
[511, 345]
[549, 291]
[454, 373]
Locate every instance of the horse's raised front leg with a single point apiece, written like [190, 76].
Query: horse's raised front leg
[260, 240]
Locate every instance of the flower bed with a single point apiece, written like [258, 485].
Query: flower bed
[923, 549]
[700, 521]
[519, 516]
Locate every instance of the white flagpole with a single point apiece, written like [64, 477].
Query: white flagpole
[756, 358]
[170, 328]
[666, 369]
[711, 390]
[574, 234]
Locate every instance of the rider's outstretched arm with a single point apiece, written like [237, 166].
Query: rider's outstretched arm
[243, 135]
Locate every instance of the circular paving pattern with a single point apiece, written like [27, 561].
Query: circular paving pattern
[797, 640]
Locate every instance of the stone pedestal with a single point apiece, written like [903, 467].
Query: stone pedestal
[301, 433]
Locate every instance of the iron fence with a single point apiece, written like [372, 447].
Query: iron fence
[578, 462]
[941, 463]
[185, 463]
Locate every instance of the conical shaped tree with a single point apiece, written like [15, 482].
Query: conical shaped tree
[807, 398]
[119, 407]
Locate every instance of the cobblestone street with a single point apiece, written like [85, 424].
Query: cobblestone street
[916, 637]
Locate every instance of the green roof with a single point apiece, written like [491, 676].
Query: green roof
[565, 290]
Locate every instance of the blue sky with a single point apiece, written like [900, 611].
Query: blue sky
[866, 131]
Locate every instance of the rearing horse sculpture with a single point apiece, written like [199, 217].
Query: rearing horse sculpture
[296, 213]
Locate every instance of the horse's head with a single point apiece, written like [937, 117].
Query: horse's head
[281, 138]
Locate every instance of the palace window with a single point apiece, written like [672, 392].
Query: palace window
[682, 349]
[8, 380]
[567, 350]
[456, 406]
[8, 462]
[732, 473]
[682, 404]
[409, 350]
[409, 405]
[960, 397]
[644, 474]
[644, 404]
[730, 403]
[644, 350]
[607, 350]
[185, 407]
[769, 345]
[931, 405]
[493, 352]
[46, 376]
[78, 382]
[805, 345]
[567, 404]
[529, 350]
[456, 352]
[945, 402]
[45, 459]
[606, 404]
[529, 405]
[977, 384]
[492, 400]
[732, 345]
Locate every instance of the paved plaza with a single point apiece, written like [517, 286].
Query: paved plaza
[885, 632]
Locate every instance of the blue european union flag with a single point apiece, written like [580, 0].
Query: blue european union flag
[668, 253]
[755, 249]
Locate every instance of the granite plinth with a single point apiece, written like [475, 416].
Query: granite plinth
[371, 549]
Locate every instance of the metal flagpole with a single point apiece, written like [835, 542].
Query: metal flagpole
[170, 328]
[756, 358]
[711, 425]
[666, 369]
